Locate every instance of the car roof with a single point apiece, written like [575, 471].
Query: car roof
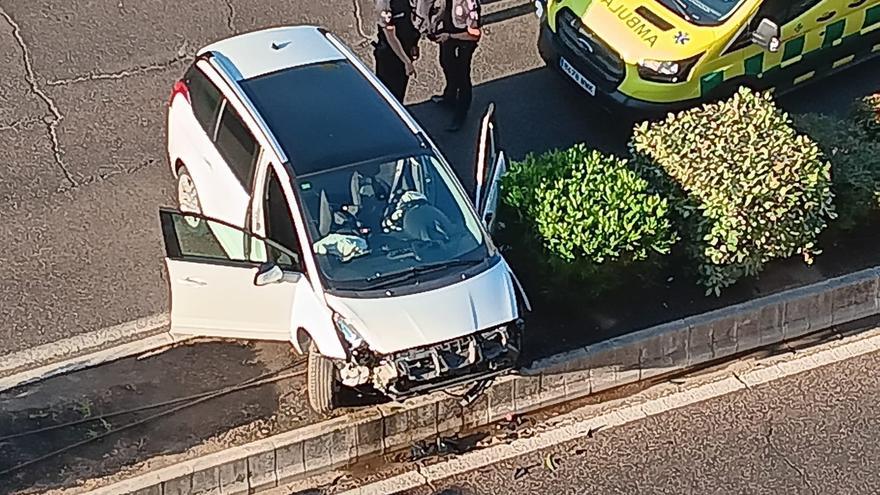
[327, 114]
[260, 52]
[321, 110]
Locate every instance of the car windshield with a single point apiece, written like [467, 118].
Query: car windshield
[703, 12]
[386, 222]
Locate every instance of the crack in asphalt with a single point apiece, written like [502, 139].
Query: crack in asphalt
[359, 22]
[15, 124]
[56, 117]
[230, 18]
[141, 69]
[769, 438]
[419, 467]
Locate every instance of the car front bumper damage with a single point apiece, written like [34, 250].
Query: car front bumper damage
[473, 357]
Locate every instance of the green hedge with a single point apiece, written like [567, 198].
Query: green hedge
[584, 206]
[745, 186]
[855, 165]
[866, 114]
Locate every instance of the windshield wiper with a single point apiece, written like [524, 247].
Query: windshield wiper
[682, 9]
[385, 279]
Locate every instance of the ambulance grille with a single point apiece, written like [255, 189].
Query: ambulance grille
[595, 56]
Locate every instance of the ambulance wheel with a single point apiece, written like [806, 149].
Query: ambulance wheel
[321, 382]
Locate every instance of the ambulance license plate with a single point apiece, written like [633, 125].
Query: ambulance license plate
[579, 78]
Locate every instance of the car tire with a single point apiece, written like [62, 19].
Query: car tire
[321, 381]
[187, 196]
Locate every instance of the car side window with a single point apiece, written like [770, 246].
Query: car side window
[204, 97]
[280, 227]
[237, 146]
[192, 237]
[189, 236]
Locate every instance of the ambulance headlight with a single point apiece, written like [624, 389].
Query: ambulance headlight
[666, 71]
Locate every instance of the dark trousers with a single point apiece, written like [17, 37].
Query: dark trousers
[391, 71]
[455, 59]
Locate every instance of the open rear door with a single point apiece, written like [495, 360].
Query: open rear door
[218, 294]
[491, 165]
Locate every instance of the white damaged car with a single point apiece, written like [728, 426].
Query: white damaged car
[314, 209]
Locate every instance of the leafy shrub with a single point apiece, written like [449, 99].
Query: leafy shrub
[744, 185]
[855, 165]
[866, 113]
[584, 206]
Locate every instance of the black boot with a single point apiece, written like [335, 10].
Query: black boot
[441, 100]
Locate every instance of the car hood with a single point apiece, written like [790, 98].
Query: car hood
[396, 323]
[639, 29]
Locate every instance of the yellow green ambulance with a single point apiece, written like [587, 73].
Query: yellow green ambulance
[663, 55]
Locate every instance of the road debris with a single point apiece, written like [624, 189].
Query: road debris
[440, 446]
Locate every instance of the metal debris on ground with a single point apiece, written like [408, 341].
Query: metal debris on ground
[475, 392]
[548, 462]
[440, 446]
[592, 431]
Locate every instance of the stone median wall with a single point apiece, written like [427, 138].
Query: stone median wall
[648, 353]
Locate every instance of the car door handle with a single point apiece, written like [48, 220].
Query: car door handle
[857, 3]
[194, 281]
[827, 15]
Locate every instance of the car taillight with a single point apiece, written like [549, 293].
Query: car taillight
[179, 88]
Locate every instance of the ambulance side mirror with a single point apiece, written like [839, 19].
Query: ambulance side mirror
[766, 35]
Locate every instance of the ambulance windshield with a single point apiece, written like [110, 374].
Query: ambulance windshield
[703, 12]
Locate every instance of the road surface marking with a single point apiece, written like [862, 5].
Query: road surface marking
[63, 356]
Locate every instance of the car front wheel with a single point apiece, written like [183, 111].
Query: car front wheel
[187, 196]
[321, 381]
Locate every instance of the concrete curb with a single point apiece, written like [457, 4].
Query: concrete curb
[85, 350]
[624, 360]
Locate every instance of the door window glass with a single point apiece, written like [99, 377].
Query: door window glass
[279, 223]
[191, 236]
[237, 146]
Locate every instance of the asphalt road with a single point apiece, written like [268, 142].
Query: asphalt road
[812, 433]
[82, 108]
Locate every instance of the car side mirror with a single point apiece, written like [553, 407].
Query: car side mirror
[766, 35]
[269, 273]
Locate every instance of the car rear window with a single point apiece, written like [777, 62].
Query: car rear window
[204, 97]
[327, 114]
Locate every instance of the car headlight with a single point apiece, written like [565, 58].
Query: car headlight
[665, 70]
[348, 331]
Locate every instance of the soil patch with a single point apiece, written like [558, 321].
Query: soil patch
[89, 399]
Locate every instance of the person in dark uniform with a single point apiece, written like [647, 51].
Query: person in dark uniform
[397, 45]
[456, 28]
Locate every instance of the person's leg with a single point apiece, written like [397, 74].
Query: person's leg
[463, 84]
[391, 71]
[465, 89]
[447, 63]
